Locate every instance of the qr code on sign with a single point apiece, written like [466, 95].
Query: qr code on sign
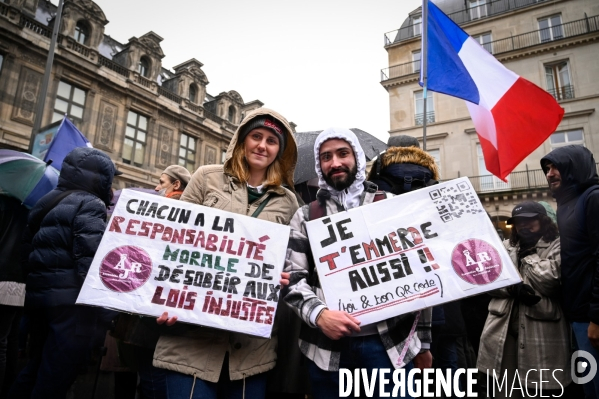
[453, 201]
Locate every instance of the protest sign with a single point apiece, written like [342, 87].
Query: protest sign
[406, 253]
[204, 265]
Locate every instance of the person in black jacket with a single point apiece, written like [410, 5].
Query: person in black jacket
[13, 220]
[66, 226]
[572, 176]
[403, 168]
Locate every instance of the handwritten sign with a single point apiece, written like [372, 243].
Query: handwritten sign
[207, 266]
[406, 253]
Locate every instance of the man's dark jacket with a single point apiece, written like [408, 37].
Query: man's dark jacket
[69, 234]
[13, 219]
[579, 244]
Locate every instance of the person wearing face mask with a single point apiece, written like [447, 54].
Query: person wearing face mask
[526, 330]
[173, 181]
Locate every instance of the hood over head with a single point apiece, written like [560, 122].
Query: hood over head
[576, 167]
[350, 197]
[408, 155]
[89, 170]
[288, 158]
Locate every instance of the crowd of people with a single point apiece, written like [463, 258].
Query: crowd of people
[45, 254]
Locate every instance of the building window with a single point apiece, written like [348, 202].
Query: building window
[484, 40]
[134, 146]
[223, 155]
[419, 106]
[231, 114]
[569, 137]
[478, 8]
[417, 25]
[550, 28]
[486, 181]
[70, 100]
[437, 155]
[559, 84]
[416, 61]
[193, 93]
[187, 152]
[81, 32]
[143, 67]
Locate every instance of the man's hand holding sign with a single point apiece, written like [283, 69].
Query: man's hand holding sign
[406, 253]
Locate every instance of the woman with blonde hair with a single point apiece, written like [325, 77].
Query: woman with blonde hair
[260, 160]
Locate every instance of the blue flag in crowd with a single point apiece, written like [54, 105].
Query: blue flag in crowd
[67, 138]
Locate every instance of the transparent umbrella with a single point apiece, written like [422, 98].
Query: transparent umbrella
[25, 177]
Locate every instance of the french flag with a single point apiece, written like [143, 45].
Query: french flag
[511, 115]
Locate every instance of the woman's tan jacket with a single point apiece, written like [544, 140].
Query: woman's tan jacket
[543, 332]
[202, 350]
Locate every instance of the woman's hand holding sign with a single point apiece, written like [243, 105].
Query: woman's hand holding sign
[164, 319]
[337, 324]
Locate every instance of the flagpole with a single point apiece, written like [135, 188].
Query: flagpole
[41, 101]
[424, 59]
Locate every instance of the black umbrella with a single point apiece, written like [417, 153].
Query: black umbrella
[305, 171]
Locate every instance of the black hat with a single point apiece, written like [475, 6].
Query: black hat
[403, 141]
[527, 209]
[268, 122]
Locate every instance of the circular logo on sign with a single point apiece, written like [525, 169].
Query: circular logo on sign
[476, 261]
[125, 269]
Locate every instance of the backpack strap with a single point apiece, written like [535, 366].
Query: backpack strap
[379, 196]
[316, 210]
[261, 207]
[581, 206]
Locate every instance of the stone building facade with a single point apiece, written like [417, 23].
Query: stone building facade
[119, 95]
[552, 43]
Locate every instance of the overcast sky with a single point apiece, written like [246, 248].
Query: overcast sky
[317, 62]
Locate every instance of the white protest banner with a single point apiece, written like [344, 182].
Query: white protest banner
[204, 265]
[406, 253]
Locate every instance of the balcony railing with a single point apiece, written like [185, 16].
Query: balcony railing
[397, 71]
[562, 93]
[193, 107]
[213, 117]
[3, 9]
[169, 94]
[419, 118]
[108, 63]
[143, 81]
[35, 26]
[463, 16]
[78, 47]
[525, 40]
[523, 180]
[541, 36]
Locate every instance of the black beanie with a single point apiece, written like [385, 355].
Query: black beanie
[267, 122]
[403, 141]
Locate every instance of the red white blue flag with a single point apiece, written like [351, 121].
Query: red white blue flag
[511, 115]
